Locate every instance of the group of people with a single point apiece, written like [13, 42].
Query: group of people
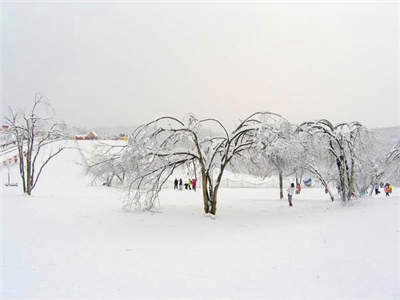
[387, 187]
[189, 184]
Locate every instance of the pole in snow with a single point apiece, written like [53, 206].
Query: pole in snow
[8, 178]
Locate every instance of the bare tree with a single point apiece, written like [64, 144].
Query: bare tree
[32, 131]
[156, 149]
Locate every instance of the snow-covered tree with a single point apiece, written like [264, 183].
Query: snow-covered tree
[369, 167]
[344, 142]
[393, 164]
[32, 131]
[156, 149]
[278, 152]
[105, 163]
[315, 161]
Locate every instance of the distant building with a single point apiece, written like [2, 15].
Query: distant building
[91, 136]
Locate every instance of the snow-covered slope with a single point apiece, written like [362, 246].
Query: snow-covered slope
[71, 240]
[386, 138]
[388, 134]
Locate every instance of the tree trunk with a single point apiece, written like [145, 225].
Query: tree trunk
[280, 185]
[214, 201]
[342, 177]
[28, 173]
[205, 193]
[22, 172]
[352, 189]
[343, 185]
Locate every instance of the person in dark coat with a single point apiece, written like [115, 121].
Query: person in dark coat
[176, 184]
[376, 189]
[180, 184]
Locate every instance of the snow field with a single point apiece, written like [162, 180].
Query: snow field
[71, 240]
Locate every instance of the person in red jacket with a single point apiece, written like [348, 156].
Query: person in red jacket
[194, 184]
[298, 188]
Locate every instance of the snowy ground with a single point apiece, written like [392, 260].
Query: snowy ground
[72, 241]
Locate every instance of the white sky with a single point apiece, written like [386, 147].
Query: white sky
[123, 64]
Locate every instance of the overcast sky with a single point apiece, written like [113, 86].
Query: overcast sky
[123, 64]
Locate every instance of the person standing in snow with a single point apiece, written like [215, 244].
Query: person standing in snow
[190, 184]
[290, 191]
[194, 184]
[387, 189]
[298, 188]
[176, 184]
[376, 189]
[180, 184]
